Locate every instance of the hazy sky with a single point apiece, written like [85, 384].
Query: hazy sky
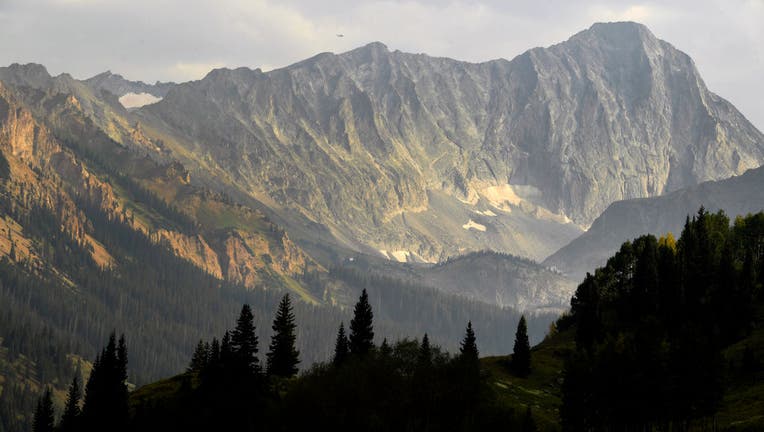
[182, 40]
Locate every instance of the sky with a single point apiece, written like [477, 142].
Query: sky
[181, 40]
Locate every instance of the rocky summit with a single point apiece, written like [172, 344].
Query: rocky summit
[417, 158]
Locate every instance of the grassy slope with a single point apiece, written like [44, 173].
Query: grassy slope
[541, 389]
[743, 405]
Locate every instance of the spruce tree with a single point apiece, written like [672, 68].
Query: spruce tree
[214, 354]
[424, 359]
[106, 391]
[385, 350]
[521, 353]
[468, 349]
[226, 350]
[244, 341]
[361, 329]
[71, 417]
[43, 415]
[283, 357]
[341, 347]
[200, 358]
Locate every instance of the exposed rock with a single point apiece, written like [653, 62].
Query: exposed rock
[119, 86]
[396, 151]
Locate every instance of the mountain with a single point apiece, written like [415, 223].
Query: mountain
[627, 219]
[96, 236]
[417, 158]
[485, 276]
[132, 94]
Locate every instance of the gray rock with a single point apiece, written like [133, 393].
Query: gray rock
[361, 142]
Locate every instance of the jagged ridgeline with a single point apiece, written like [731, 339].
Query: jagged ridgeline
[90, 243]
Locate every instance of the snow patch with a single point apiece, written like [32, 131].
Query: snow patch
[474, 225]
[137, 100]
[485, 213]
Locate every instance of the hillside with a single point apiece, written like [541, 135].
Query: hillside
[622, 220]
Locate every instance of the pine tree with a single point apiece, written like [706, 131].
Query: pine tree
[43, 415]
[361, 329]
[341, 347]
[468, 349]
[226, 350]
[283, 357]
[214, 353]
[120, 384]
[244, 341]
[71, 417]
[106, 391]
[385, 350]
[521, 353]
[424, 358]
[200, 358]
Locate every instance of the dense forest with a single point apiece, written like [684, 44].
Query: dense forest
[651, 325]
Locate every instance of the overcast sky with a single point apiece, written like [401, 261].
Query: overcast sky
[182, 40]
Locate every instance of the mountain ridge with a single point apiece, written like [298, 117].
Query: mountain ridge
[548, 139]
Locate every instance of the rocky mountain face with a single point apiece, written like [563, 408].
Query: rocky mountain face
[117, 85]
[625, 220]
[131, 94]
[419, 158]
[45, 137]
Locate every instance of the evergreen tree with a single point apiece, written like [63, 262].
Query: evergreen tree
[341, 347]
[424, 358]
[361, 329]
[283, 357]
[214, 353]
[43, 415]
[106, 391]
[521, 353]
[226, 350]
[200, 358]
[468, 349]
[71, 417]
[244, 341]
[385, 350]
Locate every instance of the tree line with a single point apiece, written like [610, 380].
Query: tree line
[406, 385]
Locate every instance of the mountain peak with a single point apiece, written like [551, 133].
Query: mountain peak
[30, 69]
[621, 34]
[371, 49]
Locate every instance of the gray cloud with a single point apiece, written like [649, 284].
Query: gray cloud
[183, 39]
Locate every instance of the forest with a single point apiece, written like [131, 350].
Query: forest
[651, 329]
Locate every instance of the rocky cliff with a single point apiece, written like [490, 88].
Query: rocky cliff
[420, 158]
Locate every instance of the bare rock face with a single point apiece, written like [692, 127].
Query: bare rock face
[119, 86]
[419, 158]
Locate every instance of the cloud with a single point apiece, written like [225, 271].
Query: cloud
[178, 39]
